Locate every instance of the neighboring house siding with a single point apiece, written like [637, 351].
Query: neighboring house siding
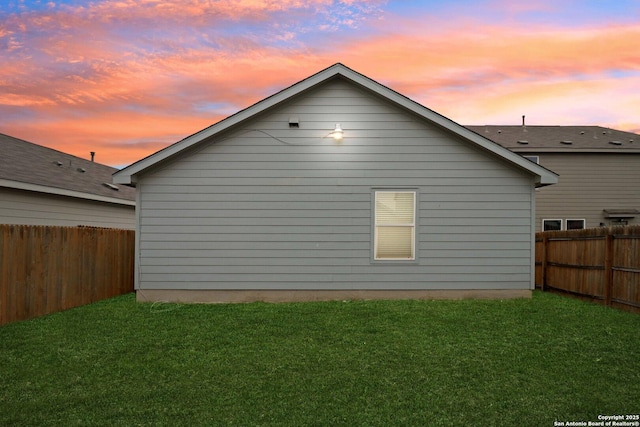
[589, 183]
[253, 212]
[33, 208]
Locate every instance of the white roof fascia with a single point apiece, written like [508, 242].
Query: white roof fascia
[543, 176]
[62, 192]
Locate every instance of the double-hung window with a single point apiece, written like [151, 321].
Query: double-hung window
[395, 225]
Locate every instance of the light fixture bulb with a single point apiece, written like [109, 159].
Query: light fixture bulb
[337, 133]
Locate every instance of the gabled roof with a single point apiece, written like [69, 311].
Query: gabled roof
[574, 139]
[543, 176]
[32, 167]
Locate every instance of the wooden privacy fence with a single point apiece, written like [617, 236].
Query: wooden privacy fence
[46, 269]
[602, 264]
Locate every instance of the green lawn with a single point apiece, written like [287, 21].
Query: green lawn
[450, 363]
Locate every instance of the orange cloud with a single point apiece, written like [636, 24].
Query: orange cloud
[111, 68]
[499, 51]
[555, 102]
[86, 79]
[493, 73]
[119, 138]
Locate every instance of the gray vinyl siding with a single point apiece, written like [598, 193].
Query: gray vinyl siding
[33, 208]
[293, 209]
[589, 183]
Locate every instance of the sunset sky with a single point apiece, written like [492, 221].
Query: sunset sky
[126, 78]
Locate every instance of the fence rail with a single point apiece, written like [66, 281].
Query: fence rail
[601, 264]
[46, 269]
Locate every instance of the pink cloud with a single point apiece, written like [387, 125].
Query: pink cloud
[113, 68]
[150, 13]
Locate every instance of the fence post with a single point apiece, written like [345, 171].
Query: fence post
[543, 269]
[608, 267]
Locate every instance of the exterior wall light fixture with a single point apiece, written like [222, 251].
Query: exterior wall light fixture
[337, 133]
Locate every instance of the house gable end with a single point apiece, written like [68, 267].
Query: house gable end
[128, 175]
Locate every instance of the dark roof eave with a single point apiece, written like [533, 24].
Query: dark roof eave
[532, 149]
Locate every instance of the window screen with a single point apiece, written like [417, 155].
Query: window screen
[395, 224]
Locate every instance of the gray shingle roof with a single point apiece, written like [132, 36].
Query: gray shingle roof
[560, 138]
[28, 163]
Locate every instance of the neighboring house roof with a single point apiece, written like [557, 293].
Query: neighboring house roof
[32, 167]
[128, 175]
[574, 139]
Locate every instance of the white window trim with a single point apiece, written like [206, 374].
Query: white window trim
[584, 223]
[553, 219]
[535, 159]
[413, 225]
